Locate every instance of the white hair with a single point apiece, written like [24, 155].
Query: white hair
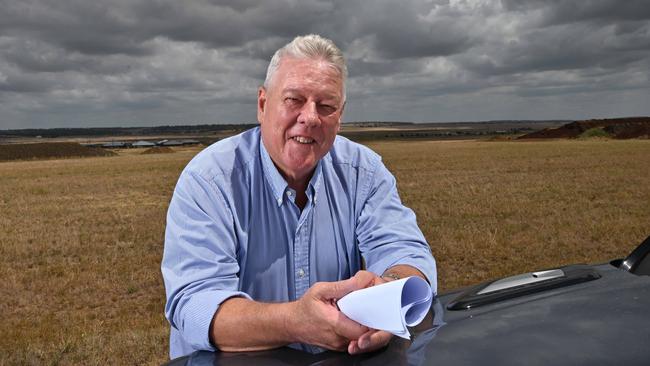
[311, 46]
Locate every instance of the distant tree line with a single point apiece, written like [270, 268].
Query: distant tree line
[112, 131]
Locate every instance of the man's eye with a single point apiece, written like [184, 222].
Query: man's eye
[326, 109]
[292, 100]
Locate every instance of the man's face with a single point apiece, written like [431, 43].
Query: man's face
[300, 114]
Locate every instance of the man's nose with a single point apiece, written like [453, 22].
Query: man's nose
[309, 114]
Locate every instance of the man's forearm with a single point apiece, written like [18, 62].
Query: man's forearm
[245, 325]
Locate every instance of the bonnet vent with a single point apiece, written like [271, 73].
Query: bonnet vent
[521, 285]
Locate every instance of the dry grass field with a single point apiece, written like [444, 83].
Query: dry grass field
[81, 239]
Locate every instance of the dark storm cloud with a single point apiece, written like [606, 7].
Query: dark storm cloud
[24, 84]
[562, 47]
[109, 27]
[568, 11]
[396, 31]
[89, 27]
[32, 56]
[111, 62]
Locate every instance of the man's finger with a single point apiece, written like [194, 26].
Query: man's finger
[347, 328]
[365, 278]
[376, 340]
[338, 289]
[370, 341]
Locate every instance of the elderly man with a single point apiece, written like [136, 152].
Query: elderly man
[267, 229]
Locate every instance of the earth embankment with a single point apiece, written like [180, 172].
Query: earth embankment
[49, 150]
[618, 128]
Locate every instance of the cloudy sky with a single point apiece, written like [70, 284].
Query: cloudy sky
[80, 63]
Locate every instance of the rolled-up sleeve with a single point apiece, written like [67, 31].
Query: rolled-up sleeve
[387, 231]
[199, 266]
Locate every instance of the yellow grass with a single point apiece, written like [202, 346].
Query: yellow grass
[81, 239]
[491, 209]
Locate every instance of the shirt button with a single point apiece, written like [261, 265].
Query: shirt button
[301, 273]
[289, 193]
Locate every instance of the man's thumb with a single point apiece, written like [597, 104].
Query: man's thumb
[338, 289]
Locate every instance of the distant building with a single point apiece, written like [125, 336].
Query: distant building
[115, 144]
[170, 143]
[191, 142]
[143, 143]
[177, 142]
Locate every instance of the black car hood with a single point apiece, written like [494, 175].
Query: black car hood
[601, 322]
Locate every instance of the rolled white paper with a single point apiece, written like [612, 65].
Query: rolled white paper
[392, 306]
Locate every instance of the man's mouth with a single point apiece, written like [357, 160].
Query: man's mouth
[303, 139]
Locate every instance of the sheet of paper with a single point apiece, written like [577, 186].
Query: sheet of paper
[391, 306]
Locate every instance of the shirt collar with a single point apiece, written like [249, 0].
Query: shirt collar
[279, 185]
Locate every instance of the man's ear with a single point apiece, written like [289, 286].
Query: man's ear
[261, 103]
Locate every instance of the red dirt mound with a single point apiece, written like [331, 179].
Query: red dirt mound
[49, 150]
[158, 150]
[619, 128]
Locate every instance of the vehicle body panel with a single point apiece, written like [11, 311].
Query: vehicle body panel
[605, 322]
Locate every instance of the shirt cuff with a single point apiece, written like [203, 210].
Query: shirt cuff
[197, 316]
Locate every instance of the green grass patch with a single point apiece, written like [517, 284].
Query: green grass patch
[596, 132]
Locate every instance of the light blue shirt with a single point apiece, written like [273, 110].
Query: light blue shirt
[233, 229]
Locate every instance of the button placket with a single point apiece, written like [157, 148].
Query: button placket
[301, 258]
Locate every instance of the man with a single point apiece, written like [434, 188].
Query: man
[267, 229]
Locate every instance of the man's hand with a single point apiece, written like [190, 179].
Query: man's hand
[245, 325]
[373, 339]
[317, 320]
[370, 341]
